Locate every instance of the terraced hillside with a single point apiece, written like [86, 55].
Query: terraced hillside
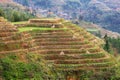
[12, 41]
[69, 48]
[18, 55]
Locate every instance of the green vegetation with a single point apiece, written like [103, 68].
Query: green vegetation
[2, 12]
[112, 45]
[69, 61]
[14, 15]
[107, 44]
[21, 22]
[92, 30]
[115, 43]
[12, 68]
[41, 53]
[38, 28]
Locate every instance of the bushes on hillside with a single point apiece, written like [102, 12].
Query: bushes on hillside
[115, 43]
[2, 12]
[14, 15]
[12, 68]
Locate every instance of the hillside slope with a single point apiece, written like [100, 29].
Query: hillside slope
[1, 1]
[97, 30]
[18, 55]
[105, 13]
[50, 49]
[14, 11]
[67, 47]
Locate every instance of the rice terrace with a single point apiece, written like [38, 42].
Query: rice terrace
[59, 39]
[54, 48]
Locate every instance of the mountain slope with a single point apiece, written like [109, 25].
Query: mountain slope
[68, 48]
[18, 55]
[5, 1]
[14, 11]
[43, 45]
[96, 29]
[102, 12]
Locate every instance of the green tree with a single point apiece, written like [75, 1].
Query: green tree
[80, 17]
[2, 13]
[16, 16]
[107, 44]
[115, 42]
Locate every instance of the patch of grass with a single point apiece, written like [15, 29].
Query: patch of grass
[22, 22]
[92, 30]
[38, 28]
